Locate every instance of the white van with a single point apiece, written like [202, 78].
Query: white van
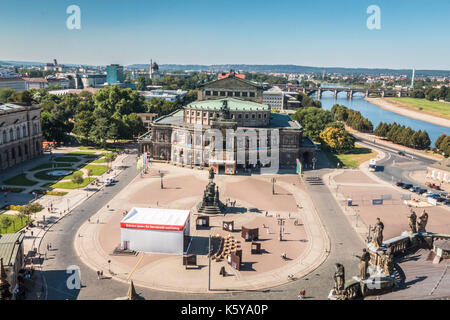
[373, 165]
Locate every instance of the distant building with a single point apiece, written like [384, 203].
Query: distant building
[20, 133]
[12, 257]
[154, 70]
[17, 84]
[6, 73]
[54, 66]
[93, 80]
[280, 100]
[35, 83]
[274, 98]
[63, 92]
[147, 118]
[114, 74]
[168, 95]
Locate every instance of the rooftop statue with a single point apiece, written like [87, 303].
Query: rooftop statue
[422, 223]
[377, 240]
[412, 222]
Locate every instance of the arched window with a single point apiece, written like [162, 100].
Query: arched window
[35, 128]
[24, 131]
[5, 138]
[18, 133]
[11, 135]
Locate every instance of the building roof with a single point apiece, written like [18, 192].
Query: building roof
[38, 80]
[232, 103]
[155, 219]
[283, 121]
[248, 82]
[9, 247]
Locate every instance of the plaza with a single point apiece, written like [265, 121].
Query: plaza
[255, 207]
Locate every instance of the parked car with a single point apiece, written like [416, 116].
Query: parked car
[401, 153]
[421, 191]
[445, 195]
[434, 196]
[428, 193]
[447, 202]
[440, 199]
[407, 186]
[413, 189]
[399, 184]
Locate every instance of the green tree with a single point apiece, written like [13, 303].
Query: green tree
[313, 120]
[5, 222]
[77, 178]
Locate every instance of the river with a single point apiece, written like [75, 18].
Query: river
[376, 114]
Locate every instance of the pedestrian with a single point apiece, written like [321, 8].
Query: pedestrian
[31, 232]
[101, 274]
[98, 220]
[98, 275]
[300, 295]
[48, 210]
[89, 220]
[50, 246]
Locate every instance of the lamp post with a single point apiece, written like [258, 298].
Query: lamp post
[109, 266]
[273, 185]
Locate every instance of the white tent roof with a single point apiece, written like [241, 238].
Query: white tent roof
[155, 219]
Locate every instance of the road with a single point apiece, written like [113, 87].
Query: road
[344, 242]
[395, 167]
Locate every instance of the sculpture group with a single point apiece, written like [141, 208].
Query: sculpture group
[417, 225]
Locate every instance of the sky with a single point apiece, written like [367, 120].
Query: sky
[325, 33]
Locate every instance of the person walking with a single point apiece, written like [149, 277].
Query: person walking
[98, 275]
[300, 295]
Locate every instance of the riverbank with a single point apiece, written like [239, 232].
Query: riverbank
[384, 104]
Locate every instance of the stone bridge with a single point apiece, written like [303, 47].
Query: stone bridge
[350, 91]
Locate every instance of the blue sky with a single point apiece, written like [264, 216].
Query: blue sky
[414, 33]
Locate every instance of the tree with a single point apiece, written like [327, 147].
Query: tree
[5, 222]
[83, 124]
[439, 140]
[445, 146]
[77, 178]
[313, 120]
[338, 140]
[5, 94]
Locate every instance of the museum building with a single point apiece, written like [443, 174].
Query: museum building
[233, 107]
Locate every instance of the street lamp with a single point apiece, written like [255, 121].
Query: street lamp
[161, 175]
[273, 185]
[109, 266]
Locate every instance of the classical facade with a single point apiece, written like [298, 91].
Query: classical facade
[20, 133]
[226, 128]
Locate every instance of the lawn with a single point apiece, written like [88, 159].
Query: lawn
[97, 170]
[18, 223]
[20, 180]
[101, 160]
[352, 159]
[432, 107]
[71, 185]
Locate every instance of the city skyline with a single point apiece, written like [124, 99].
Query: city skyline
[208, 33]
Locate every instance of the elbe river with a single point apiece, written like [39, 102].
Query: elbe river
[376, 114]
